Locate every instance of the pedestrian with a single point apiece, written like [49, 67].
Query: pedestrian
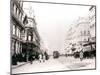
[43, 58]
[40, 57]
[81, 54]
[31, 59]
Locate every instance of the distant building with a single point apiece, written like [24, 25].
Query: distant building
[81, 32]
[92, 18]
[78, 34]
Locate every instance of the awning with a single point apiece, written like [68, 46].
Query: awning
[90, 43]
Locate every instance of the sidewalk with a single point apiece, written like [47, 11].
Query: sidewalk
[19, 64]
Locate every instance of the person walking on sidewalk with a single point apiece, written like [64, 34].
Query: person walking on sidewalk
[40, 57]
[44, 58]
[31, 59]
[81, 54]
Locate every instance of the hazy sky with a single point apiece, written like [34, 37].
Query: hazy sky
[53, 21]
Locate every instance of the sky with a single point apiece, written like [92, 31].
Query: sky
[53, 21]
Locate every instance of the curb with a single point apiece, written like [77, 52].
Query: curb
[19, 65]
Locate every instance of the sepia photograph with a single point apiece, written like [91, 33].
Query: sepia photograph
[51, 37]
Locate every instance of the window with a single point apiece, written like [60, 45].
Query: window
[16, 47]
[29, 38]
[12, 47]
[17, 12]
[22, 17]
[19, 15]
[20, 47]
[17, 31]
[23, 35]
[33, 39]
[13, 29]
[14, 9]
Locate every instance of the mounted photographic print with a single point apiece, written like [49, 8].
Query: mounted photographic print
[52, 37]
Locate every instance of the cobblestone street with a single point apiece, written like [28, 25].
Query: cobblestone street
[62, 63]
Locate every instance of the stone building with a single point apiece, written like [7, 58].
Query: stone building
[31, 44]
[25, 39]
[81, 33]
[18, 21]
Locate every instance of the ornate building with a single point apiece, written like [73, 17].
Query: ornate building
[18, 21]
[82, 33]
[31, 45]
[25, 39]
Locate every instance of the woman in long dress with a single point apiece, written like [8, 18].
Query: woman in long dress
[40, 57]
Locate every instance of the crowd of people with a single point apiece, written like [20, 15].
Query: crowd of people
[41, 57]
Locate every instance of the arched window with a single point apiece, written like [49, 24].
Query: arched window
[29, 38]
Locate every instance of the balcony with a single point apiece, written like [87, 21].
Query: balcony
[17, 38]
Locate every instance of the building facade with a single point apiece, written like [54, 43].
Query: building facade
[31, 44]
[78, 34]
[25, 39]
[17, 27]
[81, 33]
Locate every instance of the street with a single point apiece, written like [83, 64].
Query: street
[61, 63]
[69, 39]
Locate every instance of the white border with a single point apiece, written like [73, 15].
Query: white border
[5, 37]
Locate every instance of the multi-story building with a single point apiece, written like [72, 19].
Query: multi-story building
[31, 44]
[92, 18]
[18, 20]
[78, 34]
[81, 33]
